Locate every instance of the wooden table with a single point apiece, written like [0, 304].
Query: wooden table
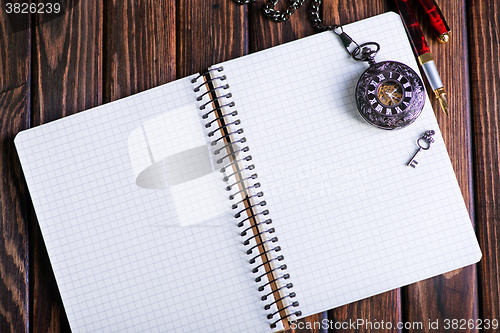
[100, 51]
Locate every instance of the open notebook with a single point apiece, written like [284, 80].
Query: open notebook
[132, 197]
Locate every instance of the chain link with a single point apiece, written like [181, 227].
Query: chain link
[281, 16]
[277, 16]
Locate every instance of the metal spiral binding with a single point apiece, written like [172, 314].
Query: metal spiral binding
[268, 306]
[244, 150]
[226, 136]
[242, 222]
[272, 240]
[282, 267]
[217, 151]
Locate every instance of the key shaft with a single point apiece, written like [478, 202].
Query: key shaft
[413, 163]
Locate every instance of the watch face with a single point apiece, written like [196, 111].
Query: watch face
[390, 95]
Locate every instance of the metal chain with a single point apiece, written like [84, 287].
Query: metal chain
[363, 52]
[317, 22]
[281, 16]
[277, 16]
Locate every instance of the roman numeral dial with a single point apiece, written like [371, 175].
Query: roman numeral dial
[390, 95]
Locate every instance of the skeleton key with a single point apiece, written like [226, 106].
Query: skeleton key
[423, 143]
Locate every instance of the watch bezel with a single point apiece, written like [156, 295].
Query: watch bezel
[390, 121]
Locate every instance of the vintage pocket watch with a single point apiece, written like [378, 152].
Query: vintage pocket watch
[389, 95]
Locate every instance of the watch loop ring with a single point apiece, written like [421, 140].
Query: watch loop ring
[365, 52]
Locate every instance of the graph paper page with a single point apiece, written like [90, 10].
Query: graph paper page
[119, 207]
[354, 220]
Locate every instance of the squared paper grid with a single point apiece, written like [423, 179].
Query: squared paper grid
[355, 220]
[121, 261]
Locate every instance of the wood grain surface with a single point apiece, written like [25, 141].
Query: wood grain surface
[99, 51]
[209, 32]
[139, 50]
[484, 42]
[15, 77]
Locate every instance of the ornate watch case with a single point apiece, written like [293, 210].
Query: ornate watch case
[390, 95]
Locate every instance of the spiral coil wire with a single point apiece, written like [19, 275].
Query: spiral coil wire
[225, 133]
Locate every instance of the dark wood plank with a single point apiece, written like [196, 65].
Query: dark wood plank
[15, 53]
[386, 306]
[345, 11]
[139, 50]
[452, 295]
[67, 78]
[209, 32]
[317, 323]
[67, 69]
[484, 42]
[264, 34]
